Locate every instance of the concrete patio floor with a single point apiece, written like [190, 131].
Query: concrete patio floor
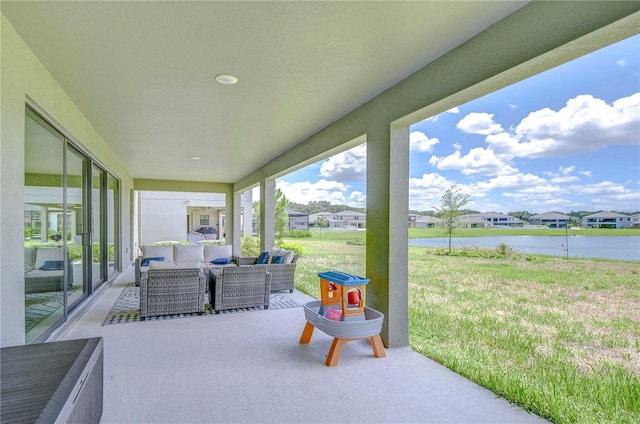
[249, 367]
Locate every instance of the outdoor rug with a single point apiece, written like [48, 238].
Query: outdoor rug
[38, 306]
[127, 307]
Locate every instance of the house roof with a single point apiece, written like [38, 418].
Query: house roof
[426, 218]
[350, 213]
[143, 73]
[605, 214]
[550, 215]
[291, 212]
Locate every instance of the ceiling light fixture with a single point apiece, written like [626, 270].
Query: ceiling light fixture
[195, 158]
[226, 79]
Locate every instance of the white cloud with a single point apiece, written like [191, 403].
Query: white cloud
[419, 142]
[563, 175]
[478, 161]
[457, 146]
[479, 123]
[453, 110]
[527, 183]
[608, 195]
[586, 173]
[426, 192]
[305, 191]
[350, 165]
[357, 199]
[584, 124]
[621, 62]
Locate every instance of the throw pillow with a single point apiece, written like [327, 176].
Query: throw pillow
[221, 261]
[145, 261]
[288, 256]
[52, 266]
[263, 258]
[277, 259]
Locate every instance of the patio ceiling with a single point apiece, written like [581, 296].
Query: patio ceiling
[143, 73]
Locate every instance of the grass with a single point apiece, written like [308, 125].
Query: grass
[559, 337]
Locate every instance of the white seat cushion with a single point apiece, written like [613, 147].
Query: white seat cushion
[161, 265]
[165, 252]
[44, 254]
[189, 253]
[212, 252]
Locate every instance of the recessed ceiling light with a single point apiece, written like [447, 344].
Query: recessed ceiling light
[195, 158]
[226, 79]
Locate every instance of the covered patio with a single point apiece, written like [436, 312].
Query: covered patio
[250, 367]
[130, 89]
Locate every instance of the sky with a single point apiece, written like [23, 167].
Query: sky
[564, 140]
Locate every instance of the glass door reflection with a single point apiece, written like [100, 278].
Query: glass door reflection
[43, 229]
[76, 236]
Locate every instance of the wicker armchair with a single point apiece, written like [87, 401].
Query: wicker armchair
[282, 275]
[239, 287]
[172, 291]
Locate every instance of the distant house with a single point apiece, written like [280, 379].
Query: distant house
[606, 220]
[344, 219]
[635, 221]
[297, 220]
[423, 221]
[489, 219]
[352, 219]
[550, 219]
[333, 223]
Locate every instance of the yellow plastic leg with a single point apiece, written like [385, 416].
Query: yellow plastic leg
[307, 333]
[336, 350]
[377, 346]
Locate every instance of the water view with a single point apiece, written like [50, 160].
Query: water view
[606, 247]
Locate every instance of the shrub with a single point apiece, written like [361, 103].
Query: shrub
[299, 233]
[297, 248]
[249, 246]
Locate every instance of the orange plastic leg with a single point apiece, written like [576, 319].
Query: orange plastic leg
[336, 350]
[307, 333]
[377, 346]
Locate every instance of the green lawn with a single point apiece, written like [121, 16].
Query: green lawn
[558, 337]
[477, 232]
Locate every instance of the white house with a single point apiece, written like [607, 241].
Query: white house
[489, 219]
[170, 216]
[550, 219]
[423, 221]
[606, 220]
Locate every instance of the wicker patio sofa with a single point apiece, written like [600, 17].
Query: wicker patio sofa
[282, 275]
[179, 254]
[43, 270]
[239, 287]
[168, 291]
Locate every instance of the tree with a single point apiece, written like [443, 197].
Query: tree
[450, 208]
[322, 221]
[281, 216]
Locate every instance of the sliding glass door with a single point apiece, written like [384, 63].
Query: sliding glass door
[70, 209]
[76, 201]
[44, 229]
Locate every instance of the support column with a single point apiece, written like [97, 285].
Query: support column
[387, 230]
[233, 204]
[267, 214]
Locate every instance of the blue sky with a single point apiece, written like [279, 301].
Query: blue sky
[565, 140]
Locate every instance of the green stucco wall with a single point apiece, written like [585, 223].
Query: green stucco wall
[24, 80]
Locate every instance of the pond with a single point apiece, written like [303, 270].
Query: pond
[606, 247]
